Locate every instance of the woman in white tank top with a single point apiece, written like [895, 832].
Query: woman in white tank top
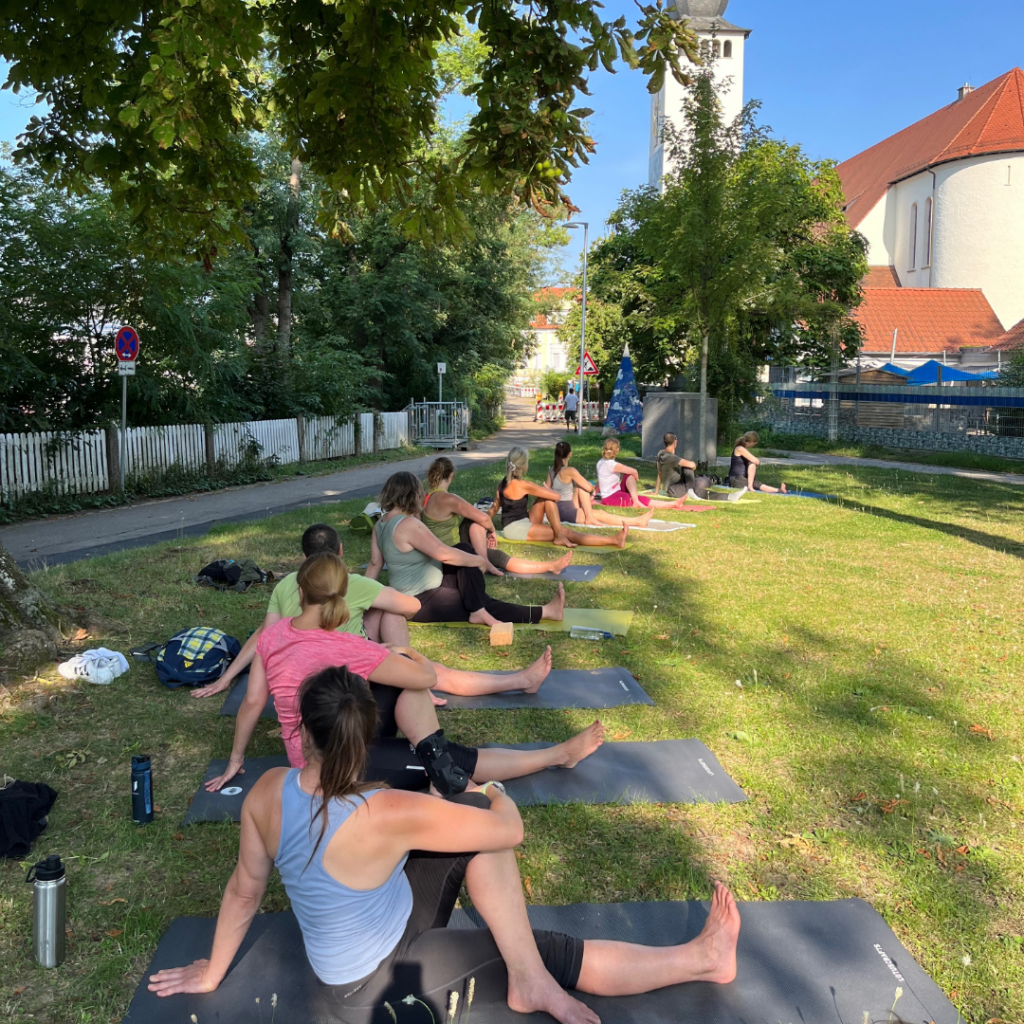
[374, 914]
[616, 484]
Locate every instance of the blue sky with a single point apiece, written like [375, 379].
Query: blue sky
[834, 77]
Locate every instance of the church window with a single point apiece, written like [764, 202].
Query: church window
[728, 48]
[927, 232]
[912, 251]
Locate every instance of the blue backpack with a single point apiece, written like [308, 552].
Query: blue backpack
[193, 658]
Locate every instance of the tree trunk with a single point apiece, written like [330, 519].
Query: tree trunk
[703, 429]
[284, 273]
[29, 622]
[259, 313]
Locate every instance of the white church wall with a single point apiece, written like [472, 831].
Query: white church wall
[979, 231]
[913, 267]
[668, 103]
[874, 228]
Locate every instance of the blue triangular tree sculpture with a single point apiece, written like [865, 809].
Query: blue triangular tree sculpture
[625, 412]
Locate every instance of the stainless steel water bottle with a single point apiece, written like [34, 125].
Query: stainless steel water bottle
[142, 789]
[48, 908]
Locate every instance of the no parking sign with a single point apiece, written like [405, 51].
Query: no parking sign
[126, 345]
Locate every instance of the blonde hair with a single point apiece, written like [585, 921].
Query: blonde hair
[517, 465]
[440, 470]
[610, 449]
[323, 580]
[748, 440]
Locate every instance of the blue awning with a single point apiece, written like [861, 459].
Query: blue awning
[928, 373]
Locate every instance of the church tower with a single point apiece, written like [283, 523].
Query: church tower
[727, 43]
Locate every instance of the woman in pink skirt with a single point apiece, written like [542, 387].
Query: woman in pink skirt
[616, 484]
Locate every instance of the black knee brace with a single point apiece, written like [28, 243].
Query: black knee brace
[447, 777]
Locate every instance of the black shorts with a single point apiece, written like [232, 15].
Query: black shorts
[497, 557]
[570, 416]
[431, 961]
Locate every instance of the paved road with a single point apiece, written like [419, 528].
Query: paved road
[59, 539]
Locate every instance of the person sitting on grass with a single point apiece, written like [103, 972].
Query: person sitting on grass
[520, 523]
[447, 581]
[373, 875]
[452, 520]
[743, 466]
[400, 680]
[374, 611]
[617, 484]
[574, 495]
[676, 476]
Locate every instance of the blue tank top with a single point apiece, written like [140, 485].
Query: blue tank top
[347, 932]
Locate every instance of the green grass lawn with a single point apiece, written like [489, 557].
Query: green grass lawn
[853, 665]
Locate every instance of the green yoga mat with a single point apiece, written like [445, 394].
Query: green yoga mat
[610, 620]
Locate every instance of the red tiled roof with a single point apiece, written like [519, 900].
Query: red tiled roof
[988, 120]
[1013, 338]
[881, 277]
[930, 320]
[550, 296]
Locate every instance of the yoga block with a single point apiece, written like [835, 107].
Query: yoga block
[502, 634]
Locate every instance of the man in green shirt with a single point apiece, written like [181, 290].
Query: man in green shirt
[377, 612]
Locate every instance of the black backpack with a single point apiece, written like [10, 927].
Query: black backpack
[227, 574]
[193, 658]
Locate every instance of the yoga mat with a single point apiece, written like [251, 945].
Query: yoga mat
[502, 540]
[570, 574]
[566, 688]
[610, 620]
[392, 761]
[233, 701]
[797, 963]
[654, 526]
[663, 772]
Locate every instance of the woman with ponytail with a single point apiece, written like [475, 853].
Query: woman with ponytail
[448, 580]
[452, 520]
[617, 483]
[521, 523]
[574, 495]
[372, 879]
[400, 682]
[743, 466]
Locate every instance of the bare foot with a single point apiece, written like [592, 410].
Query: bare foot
[482, 617]
[717, 940]
[644, 519]
[620, 537]
[582, 745]
[783, 489]
[537, 672]
[562, 541]
[555, 608]
[438, 702]
[541, 993]
[559, 564]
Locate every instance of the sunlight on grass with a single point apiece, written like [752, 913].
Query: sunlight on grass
[852, 664]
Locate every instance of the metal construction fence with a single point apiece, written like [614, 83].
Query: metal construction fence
[942, 418]
[439, 424]
[85, 462]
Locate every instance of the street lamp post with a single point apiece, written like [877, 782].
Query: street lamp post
[583, 324]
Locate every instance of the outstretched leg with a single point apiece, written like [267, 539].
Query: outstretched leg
[625, 969]
[596, 540]
[554, 519]
[501, 763]
[520, 566]
[474, 684]
[602, 518]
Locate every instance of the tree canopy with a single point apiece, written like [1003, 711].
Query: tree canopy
[159, 102]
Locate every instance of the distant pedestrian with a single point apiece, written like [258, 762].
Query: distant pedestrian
[571, 405]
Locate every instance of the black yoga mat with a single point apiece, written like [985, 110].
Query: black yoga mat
[392, 761]
[662, 772]
[570, 574]
[565, 688]
[805, 963]
[233, 701]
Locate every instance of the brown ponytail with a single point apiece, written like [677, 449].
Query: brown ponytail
[339, 714]
[440, 469]
[562, 452]
[323, 580]
[748, 440]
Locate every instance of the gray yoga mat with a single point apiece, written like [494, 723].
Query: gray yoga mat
[570, 574]
[233, 701]
[797, 963]
[392, 761]
[565, 688]
[662, 772]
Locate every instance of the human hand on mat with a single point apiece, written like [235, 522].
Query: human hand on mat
[174, 980]
[217, 686]
[438, 702]
[234, 768]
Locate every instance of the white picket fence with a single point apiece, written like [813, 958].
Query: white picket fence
[77, 463]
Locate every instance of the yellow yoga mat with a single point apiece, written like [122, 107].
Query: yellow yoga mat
[608, 619]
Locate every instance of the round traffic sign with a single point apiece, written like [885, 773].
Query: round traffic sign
[127, 344]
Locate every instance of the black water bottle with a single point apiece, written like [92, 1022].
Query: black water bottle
[142, 789]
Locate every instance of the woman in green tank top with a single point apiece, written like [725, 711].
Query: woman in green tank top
[453, 520]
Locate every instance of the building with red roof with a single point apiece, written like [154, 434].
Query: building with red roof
[547, 352]
[941, 204]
